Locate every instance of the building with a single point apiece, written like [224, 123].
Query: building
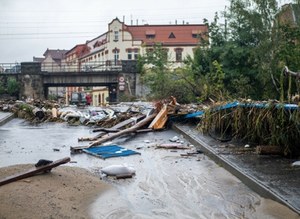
[71, 57]
[126, 42]
[54, 60]
[289, 14]
[122, 42]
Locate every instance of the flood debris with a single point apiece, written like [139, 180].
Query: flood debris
[119, 171]
[172, 146]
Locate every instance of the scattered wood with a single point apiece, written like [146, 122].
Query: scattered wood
[132, 129]
[269, 150]
[160, 119]
[107, 130]
[34, 171]
[115, 128]
[172, 146]
[112, 136]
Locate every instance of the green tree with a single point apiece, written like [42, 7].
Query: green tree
[155, 71]
[2, 88]
[13, 87]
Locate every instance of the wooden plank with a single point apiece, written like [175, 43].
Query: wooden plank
[34, 171]
[132, 129]
[112, 136]
[124, 123]
[161, 119]
[172, 146]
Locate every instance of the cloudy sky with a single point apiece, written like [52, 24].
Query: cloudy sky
[29, 27]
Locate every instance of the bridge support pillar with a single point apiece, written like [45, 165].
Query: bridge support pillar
[31, 86]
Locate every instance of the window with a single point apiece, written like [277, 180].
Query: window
[116, 56]
[129, 54]
[178, 52]
[116, 35]
[150, 36]
[196, 36]
[172, 35]
[136, 54]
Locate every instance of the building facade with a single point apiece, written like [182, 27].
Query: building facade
[126, 42]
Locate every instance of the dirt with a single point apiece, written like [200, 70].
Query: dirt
[66, 192]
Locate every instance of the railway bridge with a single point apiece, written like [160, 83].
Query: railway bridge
[35, 78]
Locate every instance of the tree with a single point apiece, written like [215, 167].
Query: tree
[12, 87]
[155, 70]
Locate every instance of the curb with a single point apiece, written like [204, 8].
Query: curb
[6, 118]
[247, 179]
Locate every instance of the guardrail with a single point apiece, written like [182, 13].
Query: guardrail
[10, 68]
[108, 65]
[97, 66]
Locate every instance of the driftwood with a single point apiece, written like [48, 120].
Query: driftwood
[132, 129]
[34, 171]
[115, 128]
[269, 150]
[172, 146]
[111, 136]
[123, 124]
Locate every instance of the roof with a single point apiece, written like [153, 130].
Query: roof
[168, 34]
[78, 50]
[38, 59]
[56, 54]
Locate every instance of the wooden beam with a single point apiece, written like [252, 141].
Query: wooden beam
[34, 171]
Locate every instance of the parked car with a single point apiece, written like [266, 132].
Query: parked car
[78, 98]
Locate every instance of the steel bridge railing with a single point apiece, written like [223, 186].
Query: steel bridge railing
[10, 68]
[129, 66]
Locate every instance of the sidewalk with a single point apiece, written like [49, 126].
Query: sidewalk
[272, 177]
[5, 117]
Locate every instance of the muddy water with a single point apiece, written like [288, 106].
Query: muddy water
[166, 185]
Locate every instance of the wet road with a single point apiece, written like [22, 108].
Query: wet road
[166, 185]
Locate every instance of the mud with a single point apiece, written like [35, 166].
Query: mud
[166, 185]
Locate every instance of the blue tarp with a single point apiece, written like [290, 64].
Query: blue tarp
[109, 151]
[236, 104]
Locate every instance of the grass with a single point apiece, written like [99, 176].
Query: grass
[269, 125]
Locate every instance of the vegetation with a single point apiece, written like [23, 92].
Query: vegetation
[270, 125]
[13, 87]
[244, 59]
[10, 87]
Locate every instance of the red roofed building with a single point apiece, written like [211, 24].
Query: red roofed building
[125, 42]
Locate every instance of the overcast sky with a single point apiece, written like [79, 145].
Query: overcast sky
[29, 27]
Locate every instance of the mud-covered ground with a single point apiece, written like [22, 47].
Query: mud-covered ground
[166, 184]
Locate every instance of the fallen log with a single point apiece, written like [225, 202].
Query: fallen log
[118, 126]
[269, 150]
[112, 136]
[34, 171]
[132, 129]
